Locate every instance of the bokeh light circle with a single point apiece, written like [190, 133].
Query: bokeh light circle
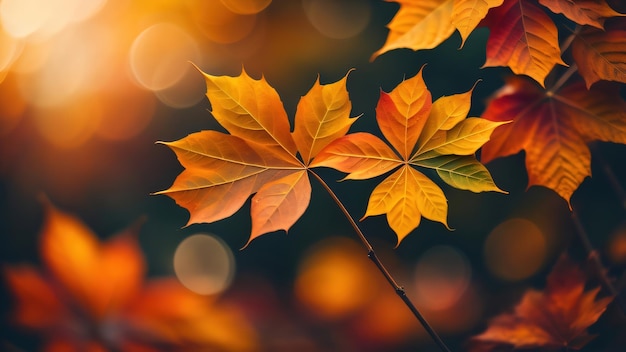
[338, 19]
[160, 56]
[441, 277]
[334, 279]
[515, 249]
[246, 7]
[204, 264]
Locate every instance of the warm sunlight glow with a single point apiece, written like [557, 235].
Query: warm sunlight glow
[334, 279]
[160, 55]
[204, 264]
[22, 18]
[246, 7]
[338, 19]
[69, 126]
[441, 277]
[515, 249]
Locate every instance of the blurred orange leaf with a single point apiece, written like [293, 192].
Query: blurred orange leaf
[259, 154]
[435, 135]
[92, 297]
[555, 318]
[554, 129]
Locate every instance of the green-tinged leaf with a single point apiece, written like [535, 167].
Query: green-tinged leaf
[460, 171]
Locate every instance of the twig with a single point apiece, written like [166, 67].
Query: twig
[594, 257]
[381, 267]
[620, 193]
[573, 68]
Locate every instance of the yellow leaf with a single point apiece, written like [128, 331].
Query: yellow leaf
[408, 118]
[419, 25]
[250, 109]
[259, 155]
[322, 116]
[466, 14]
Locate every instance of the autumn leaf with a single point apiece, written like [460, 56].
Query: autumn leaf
[601, 54]
[554, 129]
[524, 38]
[423, 134]
[90, 289]
[467, 14]
[584, 12]
[555, 318]
[419, 25]
[260, 155]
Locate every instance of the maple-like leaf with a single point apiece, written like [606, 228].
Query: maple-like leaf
[260, 153]
[92, 296]
[424, 134]
[419, 25]
[467, 14]
[554, 129]
[583, 12]
[601, 54]
[523, 37]
[555, 318]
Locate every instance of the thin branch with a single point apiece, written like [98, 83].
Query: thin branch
[594, 257]
[573, 68]
[381, 267]
[620, 193]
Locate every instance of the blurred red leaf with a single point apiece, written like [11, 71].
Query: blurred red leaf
[557, 317]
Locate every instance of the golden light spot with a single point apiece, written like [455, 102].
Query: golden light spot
[338, 19]
[246, 7]
[12, 105]
[185, 93]
[515, 249]
[160, 56]
[441, 277]
[69, 126]
[127, 114]
[617, 246]
[204, 264]
[334, 279]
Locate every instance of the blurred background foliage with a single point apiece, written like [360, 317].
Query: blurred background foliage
[87, 88]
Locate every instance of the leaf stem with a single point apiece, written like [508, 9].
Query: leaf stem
[371, 254]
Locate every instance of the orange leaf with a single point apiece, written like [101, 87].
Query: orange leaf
[553, 129]
[583, 12]
[73, 254]
[259, 155]
[601, 55]
[280, 203]
[466, 14]
[524, 38]
[401, 114]
[361, 155]
[408, 119]
[92, 288]
[419, 25]
[557, 317]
